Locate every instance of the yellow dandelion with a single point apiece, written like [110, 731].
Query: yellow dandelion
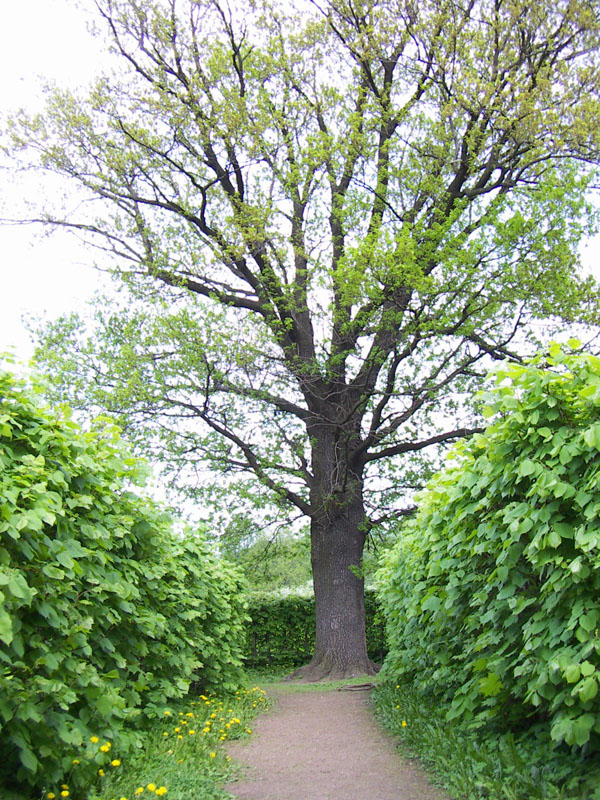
[151, 787]
[64, 786]
[179, 736]
[139, 790]
[105, 748]
[94, 739]
[212, 755]
[167, 713]
[165, 733]
[190, 714]
[101, 772]
[64, 793]
[248, 730]
[76, 761]
[404, 723]
[177, 729]
[180, 760]
[115, 763]
[51, 796]
[162, 790]
[191, 731]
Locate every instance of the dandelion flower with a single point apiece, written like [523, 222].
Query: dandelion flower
[139, 790]
[248, 730]
[64, 793]
[94, 739]
[212, 755]
[191, 731]
[404, 723]
[177, 729]
[167, 713]
[151, 787]
[165, 733]
[64, 786]
[76, 761]
[179, 736]
[51, 796]
[101, 772]
[105, 748]
[115, 762]
[161, 790]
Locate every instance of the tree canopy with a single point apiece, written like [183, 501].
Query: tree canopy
[328, 220]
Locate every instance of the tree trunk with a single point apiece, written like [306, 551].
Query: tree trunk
[338, 534]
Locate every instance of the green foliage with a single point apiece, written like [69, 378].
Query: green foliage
[182, 751]
[491, 600]
[268, 564]
[106, 614]
[282, 630]
[486, 766]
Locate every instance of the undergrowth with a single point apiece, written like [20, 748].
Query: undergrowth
[484, 765]
[181, 758]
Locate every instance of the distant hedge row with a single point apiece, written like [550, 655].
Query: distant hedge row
[105, 614]
[282, 630]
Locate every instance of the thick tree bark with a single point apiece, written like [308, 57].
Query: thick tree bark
[338, 534]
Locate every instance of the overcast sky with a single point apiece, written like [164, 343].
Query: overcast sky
[39, 39]
[48, 39]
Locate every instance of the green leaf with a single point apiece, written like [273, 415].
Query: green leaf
[527, 467]
[592, 436]
[29, 760]
[6, 628]
[587, 689]
[491, 685]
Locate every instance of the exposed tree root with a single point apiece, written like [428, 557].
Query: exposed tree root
[328, 668]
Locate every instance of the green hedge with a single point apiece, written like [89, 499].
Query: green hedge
[282, 630]
[493, 598]
[105, 613]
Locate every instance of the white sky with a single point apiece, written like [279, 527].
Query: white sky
[39, 39]
[48, 276]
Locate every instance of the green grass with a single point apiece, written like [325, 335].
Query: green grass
[289, 687]
[484, 765]
[182, 752]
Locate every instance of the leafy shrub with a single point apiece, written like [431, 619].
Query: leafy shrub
[282, 630]
[493, 600]
[105, 613]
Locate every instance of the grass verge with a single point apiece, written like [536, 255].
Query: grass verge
[181, 758]
[483, 765]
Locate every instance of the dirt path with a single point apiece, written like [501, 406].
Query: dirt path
[324, 745]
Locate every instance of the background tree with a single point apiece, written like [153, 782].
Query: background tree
[327, 221]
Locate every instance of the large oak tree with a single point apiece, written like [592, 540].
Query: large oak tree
[327, 221]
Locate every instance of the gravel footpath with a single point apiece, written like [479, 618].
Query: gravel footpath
[324, 745]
